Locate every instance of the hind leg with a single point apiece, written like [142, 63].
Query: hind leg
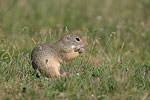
[52, 68]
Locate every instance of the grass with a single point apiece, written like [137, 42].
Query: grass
[115, 66]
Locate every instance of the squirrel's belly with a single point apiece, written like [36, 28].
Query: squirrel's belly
[70, 56]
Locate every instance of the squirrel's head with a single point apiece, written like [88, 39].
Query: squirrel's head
[74, 41]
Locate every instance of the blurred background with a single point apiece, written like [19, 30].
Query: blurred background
[128, 21]
[116, 59]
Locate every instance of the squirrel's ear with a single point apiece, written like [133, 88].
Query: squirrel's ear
[67, 37]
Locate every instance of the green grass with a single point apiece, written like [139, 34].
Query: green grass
[115, 66]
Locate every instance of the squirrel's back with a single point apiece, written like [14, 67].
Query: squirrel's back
[43, 52]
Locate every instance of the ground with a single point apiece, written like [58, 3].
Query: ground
[114, 66]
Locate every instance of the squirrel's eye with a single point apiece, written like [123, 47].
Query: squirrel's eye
[77, 39]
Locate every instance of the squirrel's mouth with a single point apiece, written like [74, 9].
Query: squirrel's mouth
[79, 49]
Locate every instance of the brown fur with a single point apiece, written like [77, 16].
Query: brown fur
[47, 57]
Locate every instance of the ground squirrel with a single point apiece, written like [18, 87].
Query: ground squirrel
[48, 57]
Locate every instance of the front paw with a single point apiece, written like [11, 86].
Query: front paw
[81, 50]
[64, 75]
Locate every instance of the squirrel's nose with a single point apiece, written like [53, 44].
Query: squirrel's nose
[82, 46]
